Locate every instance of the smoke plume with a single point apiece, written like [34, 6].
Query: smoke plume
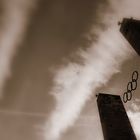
[14, 20]
[135, 121]
[74, 83]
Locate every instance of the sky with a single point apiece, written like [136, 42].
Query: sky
[55, 56]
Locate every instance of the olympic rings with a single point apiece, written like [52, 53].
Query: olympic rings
[131, 86]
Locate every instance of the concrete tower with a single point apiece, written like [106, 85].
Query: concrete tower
[113, 117]
[130, 28]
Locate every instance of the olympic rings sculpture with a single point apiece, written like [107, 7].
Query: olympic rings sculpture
[131, 86]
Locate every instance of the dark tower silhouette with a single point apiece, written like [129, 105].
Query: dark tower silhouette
[130, 28]
[113, 117]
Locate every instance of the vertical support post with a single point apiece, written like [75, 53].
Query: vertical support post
[130, 28]
[114, 120]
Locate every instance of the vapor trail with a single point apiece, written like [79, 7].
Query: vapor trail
[14, 20]
[74, 83]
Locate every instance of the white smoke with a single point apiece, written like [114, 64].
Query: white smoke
[135, 121]
[14, 20]
[134, 115]
[75, 82]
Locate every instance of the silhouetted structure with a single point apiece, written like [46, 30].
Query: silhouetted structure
[114, 120]
[130, 28]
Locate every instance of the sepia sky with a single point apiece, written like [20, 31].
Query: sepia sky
[55, 56]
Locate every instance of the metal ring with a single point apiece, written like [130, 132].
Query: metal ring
[129, 86]
[129, 95]
[135, 76]
[134, 87]
[125, 97]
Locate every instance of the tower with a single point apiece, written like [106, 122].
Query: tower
[113, 117]
[130, 29]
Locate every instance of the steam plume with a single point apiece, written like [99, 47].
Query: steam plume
[76, 82]
[14, 19]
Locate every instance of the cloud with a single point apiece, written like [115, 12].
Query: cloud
[14, 20]
[75, 83]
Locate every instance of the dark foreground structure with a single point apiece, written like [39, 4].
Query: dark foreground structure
[130, 28]
[113, 117]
